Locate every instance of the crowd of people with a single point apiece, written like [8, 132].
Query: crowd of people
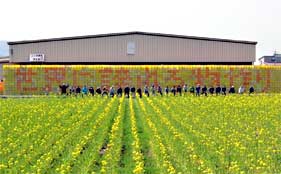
[128, 91]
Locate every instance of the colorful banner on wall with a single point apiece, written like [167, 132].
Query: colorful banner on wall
[39, 79]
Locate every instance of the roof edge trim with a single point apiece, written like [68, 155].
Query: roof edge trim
[131, 33]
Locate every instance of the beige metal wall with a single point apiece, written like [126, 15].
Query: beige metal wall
[148, 49]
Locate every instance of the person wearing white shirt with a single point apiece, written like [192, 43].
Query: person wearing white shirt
[241, 89]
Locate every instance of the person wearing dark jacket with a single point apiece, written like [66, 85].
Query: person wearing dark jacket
[173, 90]
[192, 90]
[179, 90]
[167, 90]
[119, 91]
[146, 90]
[78, 90]
[92, 91]
[223, 89]
[160, 90]
[231, 90]
[98, 91]
[153, 90]
[127, 91]
[133, 91]
[251, 90]
[63, 88]
[198, 90]
[218, 90]
[211, 90]
[204, 90]
[104, 91]
[139, 92]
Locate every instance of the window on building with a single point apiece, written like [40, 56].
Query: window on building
[131, 48]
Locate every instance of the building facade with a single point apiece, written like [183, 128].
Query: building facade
[275, 59]
[133, 48]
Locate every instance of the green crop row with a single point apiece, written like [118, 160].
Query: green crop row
[188, 134]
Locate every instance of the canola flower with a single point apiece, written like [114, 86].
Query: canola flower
[79, 147]
[111, 157]
[137, 154]
[232, 134]
[166, 161]
[43, 163]
[180, 136]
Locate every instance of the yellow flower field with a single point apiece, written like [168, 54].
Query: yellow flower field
[187, 134]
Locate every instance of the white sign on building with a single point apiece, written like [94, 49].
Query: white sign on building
[38, 57]
[131, 48]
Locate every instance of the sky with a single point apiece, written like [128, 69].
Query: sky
[4, 49]
[253, 20]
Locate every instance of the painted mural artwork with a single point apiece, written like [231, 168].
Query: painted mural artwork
[38, 79]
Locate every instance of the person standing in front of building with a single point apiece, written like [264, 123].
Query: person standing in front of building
[111, 91]
[223, 89]
[198, 90]
[173, 90]
[185, 89]
[241, 89]
[139, 92]
[179, 90]
[77, 91]
[63, 88]
[71, 90]
[204, 90]
[133, 91]
[98, 90]
[84, 90]
[251, 90]
[92, 91]
[218, 90]
[104, 91]
[160, 90]
[146, 91]
[211, 90]
[232, 90]
[119, 91]
[192, 90]
[167, 90]
[127, 91]
[153, 90]
[2, 86]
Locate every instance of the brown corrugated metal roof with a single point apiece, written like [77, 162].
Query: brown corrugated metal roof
[131, 33]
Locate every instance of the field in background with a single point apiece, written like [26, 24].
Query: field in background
[232, 134]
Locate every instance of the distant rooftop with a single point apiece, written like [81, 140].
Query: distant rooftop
[275, 58]
[131, 33]
[5, 59]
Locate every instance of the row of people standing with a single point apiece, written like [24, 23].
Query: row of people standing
[198, 90]
[99, 91]
[218, 90]
[175, 90]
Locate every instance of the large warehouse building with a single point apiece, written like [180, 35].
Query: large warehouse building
[133, 48]
[58, 60]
